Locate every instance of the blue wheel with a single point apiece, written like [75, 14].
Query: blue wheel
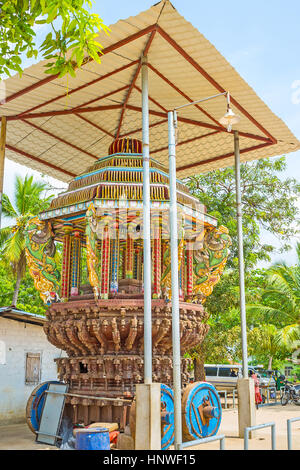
[167, 416]
[202, 411]
[35, 405]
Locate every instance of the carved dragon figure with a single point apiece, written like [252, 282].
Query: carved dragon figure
[210, 261]
[40, 252]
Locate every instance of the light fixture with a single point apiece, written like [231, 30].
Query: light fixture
[230, 119]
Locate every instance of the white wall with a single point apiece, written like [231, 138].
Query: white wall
[17, 339]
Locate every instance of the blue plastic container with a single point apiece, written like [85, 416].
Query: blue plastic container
[92, 439]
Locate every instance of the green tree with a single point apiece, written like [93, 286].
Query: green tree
[71, 40]
[269, 202]
[266, 343]
[28, 201]
[28, 299]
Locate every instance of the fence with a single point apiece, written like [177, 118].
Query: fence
[289, 431]
[260, 426]
[271, 394]
[247, 431]
[220, 438]
[270, 399]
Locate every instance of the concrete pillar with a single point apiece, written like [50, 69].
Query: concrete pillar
[148, 419]
[247, 411]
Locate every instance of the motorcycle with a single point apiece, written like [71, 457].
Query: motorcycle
[290, 394]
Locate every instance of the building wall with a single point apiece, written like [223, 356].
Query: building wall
[16, 340]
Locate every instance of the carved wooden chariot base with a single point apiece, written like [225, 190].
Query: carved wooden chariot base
[96, 299]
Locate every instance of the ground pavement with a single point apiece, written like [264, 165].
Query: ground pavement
[19, 436]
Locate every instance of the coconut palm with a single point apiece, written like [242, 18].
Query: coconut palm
[280, 299]
[280, 304]
[270, 342]
[28, 202]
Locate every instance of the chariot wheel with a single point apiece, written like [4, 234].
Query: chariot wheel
[201, 411]
[35, 405]
[167, 417]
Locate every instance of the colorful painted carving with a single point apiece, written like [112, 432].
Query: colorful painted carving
[40, 253]
[210, 261]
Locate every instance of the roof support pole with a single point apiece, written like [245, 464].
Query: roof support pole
[147, 227]
[2, 159]
[240, 252]
[174, 284]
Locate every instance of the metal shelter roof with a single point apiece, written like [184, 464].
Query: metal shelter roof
[13, 313]
[60, 126]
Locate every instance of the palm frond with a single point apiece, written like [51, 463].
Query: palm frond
[8, 209]
[271, 312]
[5, 233]
[14, 247]
[28, 194]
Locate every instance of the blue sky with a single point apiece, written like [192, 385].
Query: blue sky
[261, 39]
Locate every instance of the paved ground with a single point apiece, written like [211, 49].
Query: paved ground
[262, 440]
[19, 436]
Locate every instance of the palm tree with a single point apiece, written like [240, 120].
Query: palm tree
[268, 341]
[281, 295]
[280, 301]
[28, 202]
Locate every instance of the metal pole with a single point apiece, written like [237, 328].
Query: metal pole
[241, 253]
[174, 284]
[289, 431]
[146, 228]
[2, 159]
[203, 99]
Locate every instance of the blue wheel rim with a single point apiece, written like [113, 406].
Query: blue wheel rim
[37, 404]
[199, 393]
[167, 400]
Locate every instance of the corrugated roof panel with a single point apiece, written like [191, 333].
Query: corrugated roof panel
[194, 69]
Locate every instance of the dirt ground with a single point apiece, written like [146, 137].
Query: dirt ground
[19, 436]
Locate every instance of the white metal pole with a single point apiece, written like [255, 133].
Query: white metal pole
[146, 228]
[241, 253]
[174, 279]
[2, 159]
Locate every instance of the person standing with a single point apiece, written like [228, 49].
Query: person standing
[258, 397]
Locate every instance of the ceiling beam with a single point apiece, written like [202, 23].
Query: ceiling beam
[140, 129]
[203, 124]
[81, 87]
[223, 157]
[133, 108]
[102, 97]
[62, 112]
[213, 82]
[95, 125]
[153, 100]
[133, 81]
[182, 93]
[127, 98]
[39, 160]
[185, 141]
[106, 50]
[56, 137]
